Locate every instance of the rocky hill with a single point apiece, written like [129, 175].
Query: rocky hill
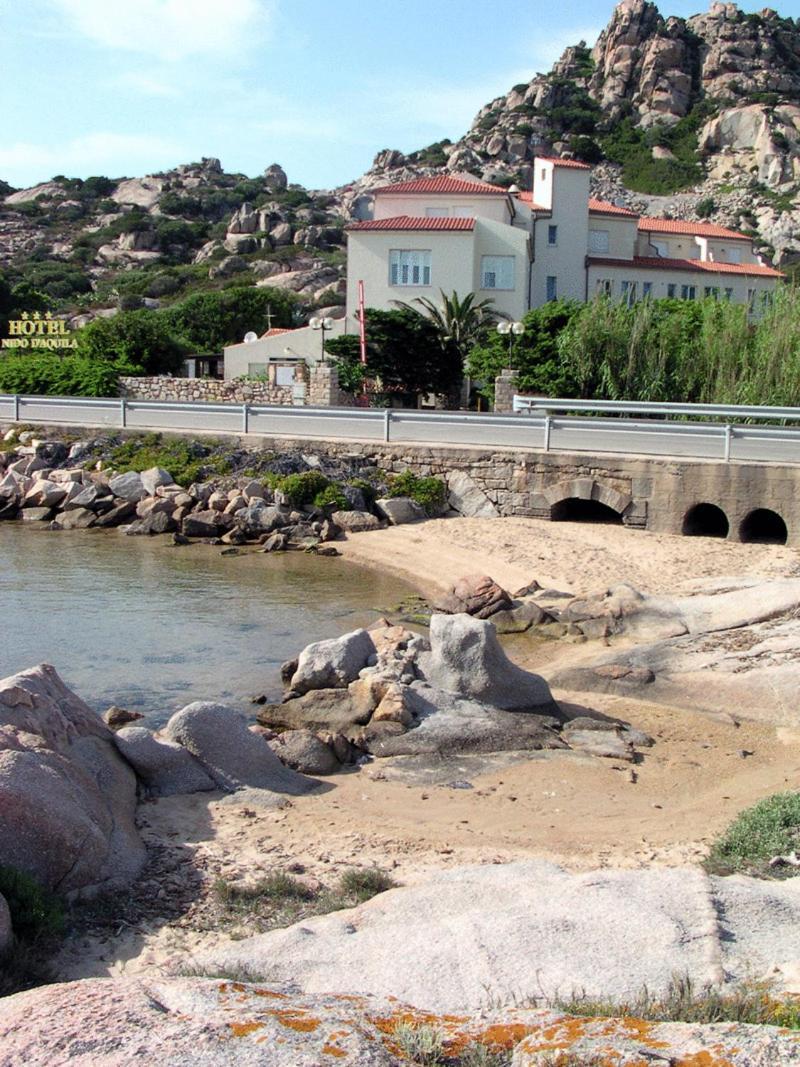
[697, 118]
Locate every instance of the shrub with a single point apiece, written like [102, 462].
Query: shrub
[770, 828]
[429, 493]
[706, 207]
[423, 1044]
[301, 489]
[331, 496]
[187, 461]
[145, 339]
[54, 375]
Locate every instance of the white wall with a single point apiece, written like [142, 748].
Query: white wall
[568, 194]
[661, 279]
[389, 205]
[621, 235]
[495, 239]
[304, 343]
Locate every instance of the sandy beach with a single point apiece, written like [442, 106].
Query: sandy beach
[577, 811]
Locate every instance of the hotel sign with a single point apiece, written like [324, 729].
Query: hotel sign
[38, 331]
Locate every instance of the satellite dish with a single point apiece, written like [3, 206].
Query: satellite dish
[250, 337]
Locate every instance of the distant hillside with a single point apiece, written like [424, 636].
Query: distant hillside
[698, 118]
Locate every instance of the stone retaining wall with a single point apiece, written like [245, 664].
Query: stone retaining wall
[654, 494]
[205, 390]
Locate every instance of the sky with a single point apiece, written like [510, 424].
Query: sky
[129, 87]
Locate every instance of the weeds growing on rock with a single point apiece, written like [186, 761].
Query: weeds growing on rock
[751, 1002]
[37, 920]
[422, 1044]
[281, 899]
[770, 828]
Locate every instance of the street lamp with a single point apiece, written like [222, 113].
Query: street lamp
[323, 325]
[512, 329]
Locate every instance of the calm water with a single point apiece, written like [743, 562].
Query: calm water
[135, 622]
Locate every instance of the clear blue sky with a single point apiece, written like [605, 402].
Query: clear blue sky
[125, 87]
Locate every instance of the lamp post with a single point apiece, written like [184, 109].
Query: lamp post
[512, 330]
[323, 325]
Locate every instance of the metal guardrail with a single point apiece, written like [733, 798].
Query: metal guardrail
[539, 430]
[543, 405]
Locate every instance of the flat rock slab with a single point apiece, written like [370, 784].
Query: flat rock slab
[502, 931]
[209, 1022]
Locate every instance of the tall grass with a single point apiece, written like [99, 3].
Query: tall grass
[704, 351]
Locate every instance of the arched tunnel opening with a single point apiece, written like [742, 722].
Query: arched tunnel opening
[573, 509]
[705, 520]
[763, 527]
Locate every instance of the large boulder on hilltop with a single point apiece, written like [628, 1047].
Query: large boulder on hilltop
[332, 664]
[466, 659]
[163, 767]
[67, 799]
[232, 755]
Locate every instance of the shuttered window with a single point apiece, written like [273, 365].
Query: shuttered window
[598, 240]
[497, 272]
[409, 267]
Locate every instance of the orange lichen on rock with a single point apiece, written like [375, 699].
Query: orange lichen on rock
[333, 1050]
[297, 1020]
[245, 1029]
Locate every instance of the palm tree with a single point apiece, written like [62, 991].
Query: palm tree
[460, 322]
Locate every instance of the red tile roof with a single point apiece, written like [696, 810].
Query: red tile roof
[413, 222]
[755, 270]
[562, 162]
[605, 207]
[275, 332]
[690, 229]
[444, 183]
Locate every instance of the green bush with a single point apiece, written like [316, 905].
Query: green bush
[187, 461]
[331, 496]
[301, 489]
[429, 493]
[54, 375]
[146, 339]
[770, 828]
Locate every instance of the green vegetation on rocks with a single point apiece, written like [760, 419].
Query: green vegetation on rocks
[186, 460]
[430, 493]
[37, 922]
[770, 828]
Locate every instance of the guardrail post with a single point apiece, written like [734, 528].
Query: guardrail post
[123, 412]
[547, 425]
[16, 407]
[387, 421]
[728, 441]
[245, 418]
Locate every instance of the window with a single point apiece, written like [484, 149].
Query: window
[711, 291]
[661, 249]
[256, 370]
[732, 255]
[598, 240]
[647, 289]
[437, 212]
[688, 292]
[552, 287]
[544, 174]
[552, 235]
[463, 212]
[497, 272]
[409, 267]
[672, 291]
[628, 292]
[604, 286]
[728, 294]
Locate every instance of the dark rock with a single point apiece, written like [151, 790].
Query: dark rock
[206, 524]
[120, 513]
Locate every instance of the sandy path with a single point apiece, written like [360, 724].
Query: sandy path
[578, 557]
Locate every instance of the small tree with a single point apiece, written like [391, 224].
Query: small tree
[460, 324]
[144, 339]
[404, 354]
[209, 321]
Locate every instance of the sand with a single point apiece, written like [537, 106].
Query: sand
[577, 557]
[575, 810]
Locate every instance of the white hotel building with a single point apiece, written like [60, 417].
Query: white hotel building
[521, 250]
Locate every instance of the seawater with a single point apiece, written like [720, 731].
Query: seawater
[137, 622]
